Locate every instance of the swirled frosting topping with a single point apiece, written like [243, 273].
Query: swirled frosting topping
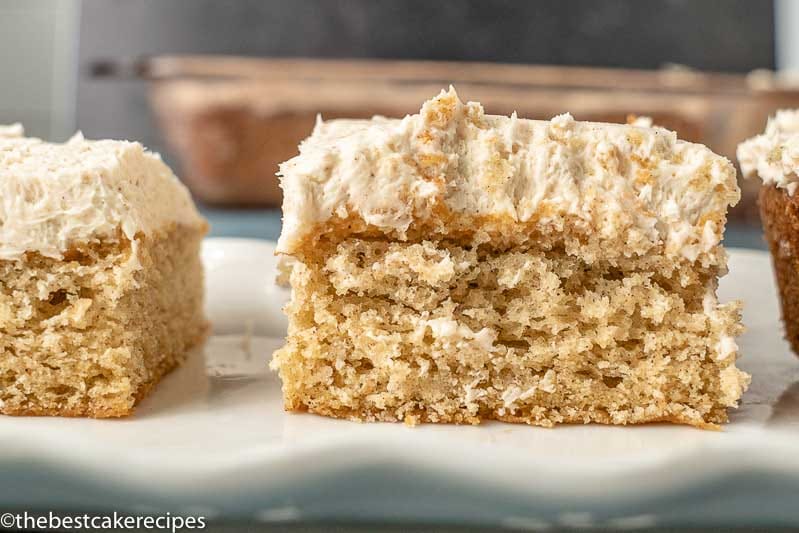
[53, 196]
[774, 154]
[631, 183]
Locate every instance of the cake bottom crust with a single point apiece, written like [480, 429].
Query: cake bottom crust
[551, 419]
[110, 409]
[779, 213]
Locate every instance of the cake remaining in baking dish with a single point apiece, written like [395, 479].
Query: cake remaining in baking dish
[454, 266]
[774, 157]
[101, 286]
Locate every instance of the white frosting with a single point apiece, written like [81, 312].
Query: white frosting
[639, 184]
[726, 347]
[451, 330]
[12, 130]
[774, 155]
[55, 195]
[641, 122]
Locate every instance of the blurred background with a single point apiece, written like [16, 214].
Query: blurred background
[225, 90]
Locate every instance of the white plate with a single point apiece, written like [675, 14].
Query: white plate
[213, 439]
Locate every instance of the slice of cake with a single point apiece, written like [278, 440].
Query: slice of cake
[101, 286]
[774, 157]
[455, 266]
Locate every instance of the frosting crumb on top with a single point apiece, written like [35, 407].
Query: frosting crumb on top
[451, 161]
[53, 196]
[774, 154]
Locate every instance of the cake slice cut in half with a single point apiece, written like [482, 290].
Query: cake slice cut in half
[101, 286]
[454, 266]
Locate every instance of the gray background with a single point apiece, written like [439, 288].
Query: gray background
[733, 35]
[48, 45]
[38, 59]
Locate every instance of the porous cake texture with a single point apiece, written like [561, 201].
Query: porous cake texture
[774, 157]
[101, 286]
[454, 266]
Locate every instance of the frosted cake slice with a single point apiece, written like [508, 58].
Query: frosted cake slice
[101, 286]
[454, 266]
[773, 157]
